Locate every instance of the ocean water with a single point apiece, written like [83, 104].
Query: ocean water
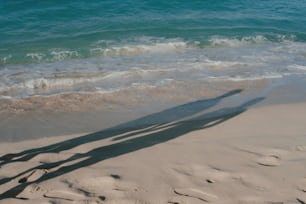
[54, 47]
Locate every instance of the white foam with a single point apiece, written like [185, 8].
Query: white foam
[46, 85]
[218, 64]
[235, 42]
[286, 38]
[4, 59]
[243, 78]
[59, 55]
[296, 66]
[238, 78]
[67, 81]
[5, 97]
[35, 56]
[131, 50]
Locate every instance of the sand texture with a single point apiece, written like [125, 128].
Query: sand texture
[204, 154]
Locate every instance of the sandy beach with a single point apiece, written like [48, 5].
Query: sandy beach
[152, 102]
[213, 150]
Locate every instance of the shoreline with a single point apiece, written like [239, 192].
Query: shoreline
[66, 114]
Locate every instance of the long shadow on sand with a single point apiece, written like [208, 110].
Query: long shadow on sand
[165, 116]
[176, 122]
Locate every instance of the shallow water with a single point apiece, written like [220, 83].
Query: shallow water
[54, 47]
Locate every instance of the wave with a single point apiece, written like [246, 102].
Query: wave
[149, 61]
[52, 55]
[236, 42]
[298, 67]
[75, 82]
[117, 80]
[130, 50]
[218, 41]
[59, 81]
[247, 78]
[127, 49]
[141, 46]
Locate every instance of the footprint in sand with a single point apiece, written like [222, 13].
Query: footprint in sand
[266, 156]
[302, 185]
[270, 160]
[95, 184]
[109, 188]
[195, 193]
[127, 201]
[32, 191]
[34, 175]
[184, 200]
[64, 195]
[201, 174]
[301, 199]
[72, 193]
[73, 197]
[252, 181]
[301, 148]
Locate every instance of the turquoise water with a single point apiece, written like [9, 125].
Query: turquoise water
[51, 47]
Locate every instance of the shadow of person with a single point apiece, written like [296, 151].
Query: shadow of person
[169, 131]
[165, 116]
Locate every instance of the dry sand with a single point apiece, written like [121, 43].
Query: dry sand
[229, 155]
